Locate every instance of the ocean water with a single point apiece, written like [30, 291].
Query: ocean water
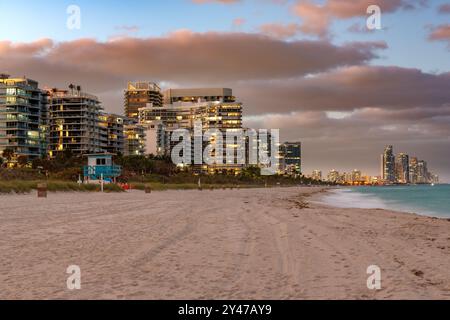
[423, 199]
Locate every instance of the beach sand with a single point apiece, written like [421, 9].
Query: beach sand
[222, 244]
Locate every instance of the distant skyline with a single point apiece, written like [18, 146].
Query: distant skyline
[377, 174]
[309, 68]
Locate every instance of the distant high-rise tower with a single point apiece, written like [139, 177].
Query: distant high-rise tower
[422, 172]
[389, 165]
[317, 175]
[292, 157]
[413, 170]
[418, 172]
[140, 95]
[402, 168]
[333, 176]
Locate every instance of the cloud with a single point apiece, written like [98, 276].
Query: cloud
[239, 22]
[25, 49]
[359, 28]
[444, 8]
[318, 17]
[128, 29]
[280, 31]
[349, 88]
[440, 33]
[216, 1]
[182, 57]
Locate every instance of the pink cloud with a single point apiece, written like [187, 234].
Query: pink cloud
[239, 22]
[444, 8]
[317, 17]
[188, 57]
[27, 49]
[216, 1]
[440, 33]
[350, 88]
[280, 31]
[128, 29]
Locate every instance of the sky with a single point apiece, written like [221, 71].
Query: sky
[309, 68]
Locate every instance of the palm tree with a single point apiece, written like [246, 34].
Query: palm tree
[71, 87]
[8, 154]
[22, 161]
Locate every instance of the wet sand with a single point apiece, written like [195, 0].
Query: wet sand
[223, 244]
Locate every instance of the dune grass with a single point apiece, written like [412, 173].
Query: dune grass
[17, 186]
[187, 186]
[21, 186]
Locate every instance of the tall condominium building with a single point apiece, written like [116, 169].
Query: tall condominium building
[156, 139]
[140, 95]
[388, 165]
[74, 119]
[112, 133]
[183, 115]
[262, 151]
[199, 94]
[413, 170]
[402, 168]
[316, 175]
[434, 178]
[134, 138]
[333, 176]
[292, 157]
[418, 172]
[23, 117]
[103, 130]
[423, 176]
[356, 176]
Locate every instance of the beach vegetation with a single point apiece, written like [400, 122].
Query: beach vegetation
[62, 173]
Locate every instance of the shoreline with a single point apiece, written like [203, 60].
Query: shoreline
[275, 243]
[373, 201]
[318, 200]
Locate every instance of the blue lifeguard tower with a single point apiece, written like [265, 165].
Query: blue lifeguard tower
[100, 168]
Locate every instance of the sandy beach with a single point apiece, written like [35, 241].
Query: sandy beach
[223, 244]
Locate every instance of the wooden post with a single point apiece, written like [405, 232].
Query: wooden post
[42, 190]
[148, 189]
[101, 182]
